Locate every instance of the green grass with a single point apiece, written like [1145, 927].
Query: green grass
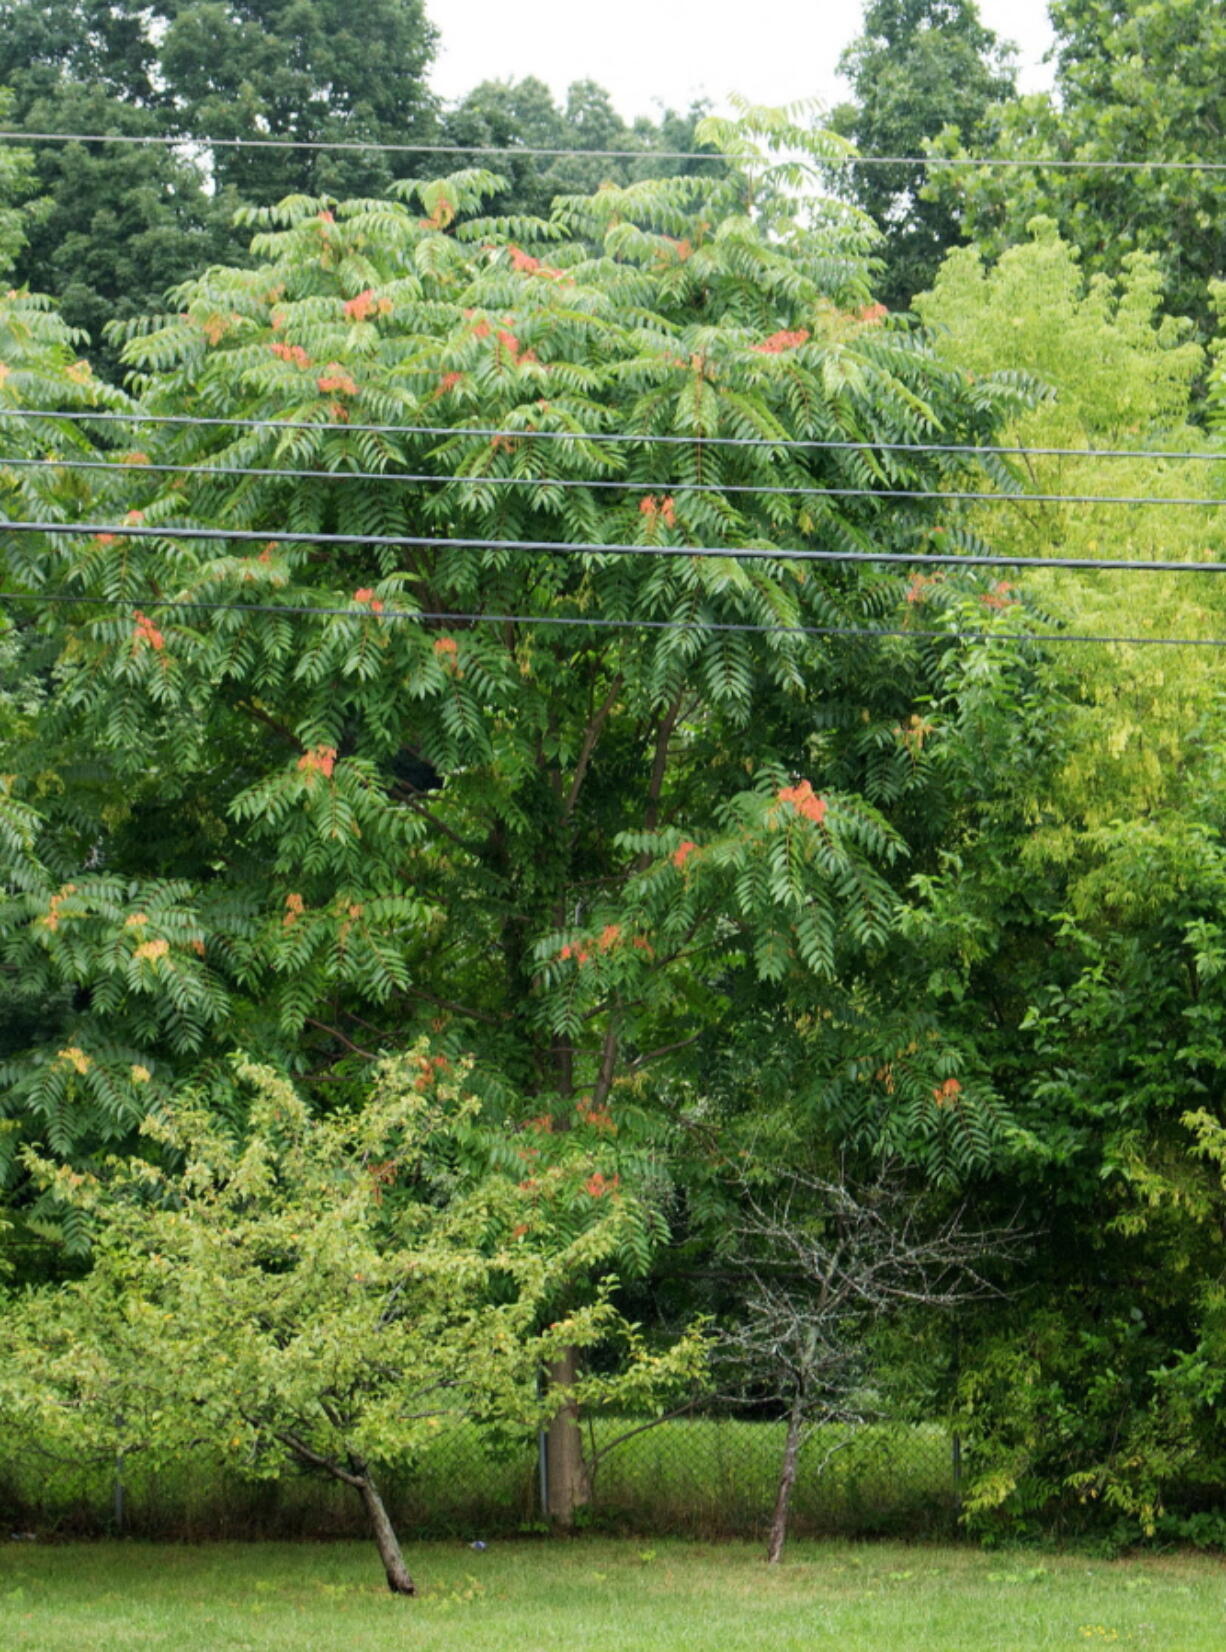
[597, 1595]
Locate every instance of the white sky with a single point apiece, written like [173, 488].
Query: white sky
[652, 52]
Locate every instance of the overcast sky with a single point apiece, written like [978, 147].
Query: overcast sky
[652, 52]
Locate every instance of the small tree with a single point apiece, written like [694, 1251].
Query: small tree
[331, 1294]
[825, 1265]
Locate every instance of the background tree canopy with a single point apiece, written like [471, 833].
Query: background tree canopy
[920, 68]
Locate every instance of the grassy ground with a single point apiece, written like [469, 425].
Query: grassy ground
[597, 1595]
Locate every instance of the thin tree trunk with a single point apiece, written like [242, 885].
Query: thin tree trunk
[565, 1471]
[787, 1479]
[398, 1579]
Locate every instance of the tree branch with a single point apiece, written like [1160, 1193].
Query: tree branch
[664, 1049]
[591, 735]
[336, 1033]
[316, 1459]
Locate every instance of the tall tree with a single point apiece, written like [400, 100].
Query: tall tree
[1136, 81]
[1079, 924]
[514, 113]
[17, 185]
[398, 782]
[314, 71]
[919, 68]
[127, 221]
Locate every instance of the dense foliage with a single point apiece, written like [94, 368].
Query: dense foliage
[332, 1294]
[489, 674]
[1136, 81]
[920, 68]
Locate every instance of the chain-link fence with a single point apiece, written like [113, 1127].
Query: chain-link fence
[695, 1476]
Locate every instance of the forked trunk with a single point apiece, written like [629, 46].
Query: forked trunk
[566, 1477]
[398, 1579]
[787, 1479]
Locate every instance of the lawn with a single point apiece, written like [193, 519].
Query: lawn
[595, 1594]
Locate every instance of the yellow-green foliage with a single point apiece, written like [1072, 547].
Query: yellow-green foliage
[322, 1291]
[1121, 376]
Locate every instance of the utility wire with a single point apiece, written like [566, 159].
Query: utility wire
[529, 152]
[645, 439]
[604, 624]
[622, 484]
[569, 547]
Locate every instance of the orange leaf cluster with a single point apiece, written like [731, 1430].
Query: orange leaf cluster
[917, 590]
[778, 342]
[998, 596]
[146, 631]
[152, 950]
[335, 378]
[945, 1093]
[364, 595]
[293, 910]
[599, 1185]
[429, 1070]
[873, 314]
[215, 327]
[683, 852]
[600, 1118]
[449, 381]
[805, 801]
[665, 509]
[366, 304]
[446, 648]
[319, 760]
[52, 920]
[442, 215]
[527, 265]
[291, 352]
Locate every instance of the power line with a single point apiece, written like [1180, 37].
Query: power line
[570, 547]
[590, 622]
[533, 152]
[622, 484]
[645, 438]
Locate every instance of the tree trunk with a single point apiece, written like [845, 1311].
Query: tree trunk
[565, 1471]
[398, 1579]
[787, 1479]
